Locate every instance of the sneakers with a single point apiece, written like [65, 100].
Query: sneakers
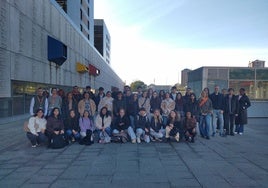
[34, 146]
[133, 141]
[138, 140]
[213, 134]
[240, 133]
[235, 132]
[177, 137]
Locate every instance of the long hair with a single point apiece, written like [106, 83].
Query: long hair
[52, 113]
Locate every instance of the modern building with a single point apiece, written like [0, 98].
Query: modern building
[81, 13]
[184, 77]
[102, 39]
[40, 46]
[254, 80]
[257, 64]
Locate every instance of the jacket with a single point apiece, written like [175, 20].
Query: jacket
[217, 101]
[71, 124]
[121, 123]
[103, 122]
[243, 105]
[54, 124]
[142, 122]
[82, 104]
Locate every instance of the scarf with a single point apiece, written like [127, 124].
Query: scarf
[203, 101]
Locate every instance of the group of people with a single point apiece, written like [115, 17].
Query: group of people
[137, 116]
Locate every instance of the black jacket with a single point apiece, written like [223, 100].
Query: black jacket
[217, 101]
[121, 123]
[231, 107]
[142, 122]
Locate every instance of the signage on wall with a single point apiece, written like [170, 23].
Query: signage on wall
[92, 70]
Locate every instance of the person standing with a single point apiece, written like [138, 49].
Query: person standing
[205, 106]
[39, 102]
[87, 104]
[217, 100]
[107, 102]
[242, 118]
[167, 105]
[99, 97]
[54, 101]
[144, 102]
[231, 111]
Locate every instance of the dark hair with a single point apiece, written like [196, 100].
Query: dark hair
[230, 89]
[71, 111]
[36, 112]
[86, 92]
[52, 112]
[242, 89]
[101, 89]
[107, 113]
[142, 109]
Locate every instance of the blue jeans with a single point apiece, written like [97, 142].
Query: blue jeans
[217, 115]
[204, 125]
[239, 128]
[69, 134]
[41, 138]
[132, 124]
[107, 130]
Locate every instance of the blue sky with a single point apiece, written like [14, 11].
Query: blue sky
[166, 36]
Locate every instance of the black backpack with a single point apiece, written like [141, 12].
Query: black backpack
[88, 139]
[57, 142]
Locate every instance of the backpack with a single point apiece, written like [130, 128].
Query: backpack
[88, 139]
[57, 142]
[120, 137]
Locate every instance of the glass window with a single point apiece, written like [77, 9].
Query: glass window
[247, 85]
[262, 90]
[244, 74]
[262, 74]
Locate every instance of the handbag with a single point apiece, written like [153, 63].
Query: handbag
[25, 126]
[104, 137]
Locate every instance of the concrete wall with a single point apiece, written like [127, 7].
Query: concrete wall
[24, 27]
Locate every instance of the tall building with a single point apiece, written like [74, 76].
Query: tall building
[81, 13]
[184, 77]
[41, 46]
[102, 39]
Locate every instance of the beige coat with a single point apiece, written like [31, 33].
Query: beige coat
[167, 105]
[106, 121]
[81, 107]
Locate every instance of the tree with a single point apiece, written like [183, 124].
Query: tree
[136, 84]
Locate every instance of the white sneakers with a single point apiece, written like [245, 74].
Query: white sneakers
[138, 140]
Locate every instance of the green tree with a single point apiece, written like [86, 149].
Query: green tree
[134, 85]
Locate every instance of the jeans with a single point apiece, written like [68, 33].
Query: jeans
[165, 118]
[69, 134]
[217, 115]
[130, 132]
[132, 124]
[108, 130]
[34, 139]
[158, 134]
[141, 133]
[239, 128]
[204, 125]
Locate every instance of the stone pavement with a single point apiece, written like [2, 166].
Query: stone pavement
[239, 161]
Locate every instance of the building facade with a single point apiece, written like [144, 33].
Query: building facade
[81, 13]
[254, 80]
[30, 33]
[184, 77]
[102, 39]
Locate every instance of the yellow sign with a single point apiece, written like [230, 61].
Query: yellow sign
[81, 68]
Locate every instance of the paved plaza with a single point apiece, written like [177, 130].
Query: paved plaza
[239, 161]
